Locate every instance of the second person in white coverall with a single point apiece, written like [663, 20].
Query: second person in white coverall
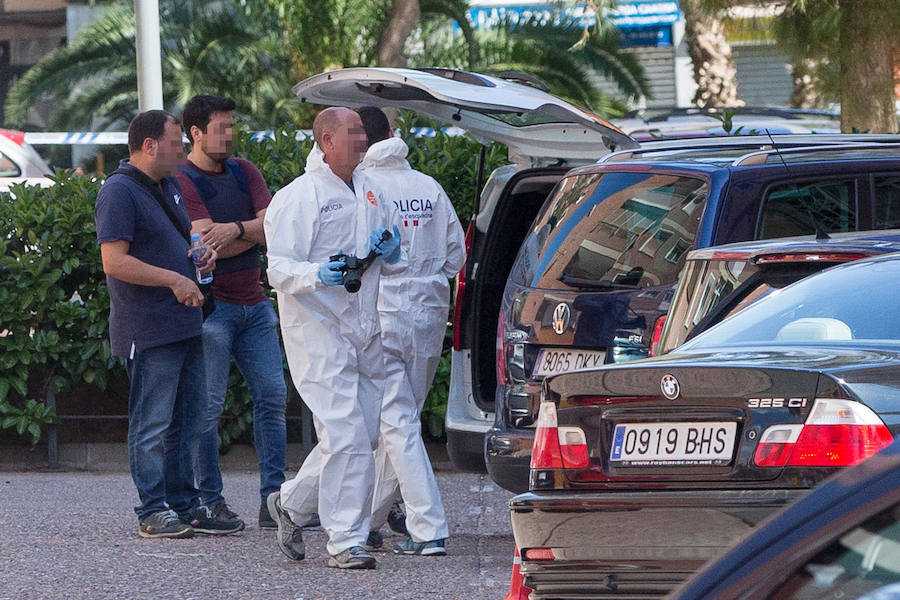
[413, 306]
[332, 337]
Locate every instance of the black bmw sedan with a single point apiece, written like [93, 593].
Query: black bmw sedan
[641, 473]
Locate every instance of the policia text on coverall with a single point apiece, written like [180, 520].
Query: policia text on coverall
[331, 337]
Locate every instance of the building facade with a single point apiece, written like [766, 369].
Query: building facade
[654, 30]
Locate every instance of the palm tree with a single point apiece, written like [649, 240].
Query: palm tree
[845, 45]
[208, 46]
[710, 52]
[404, 17]
[320, 36]
[560, 55]
[810, 34]
[255, 50]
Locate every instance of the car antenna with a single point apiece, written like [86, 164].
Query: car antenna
[778, 152]
[821, 234]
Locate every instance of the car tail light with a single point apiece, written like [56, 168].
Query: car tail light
[501, 352]
[16, 136]
[573, 446]
[800, 257]
[459, 294]
[657, 333]
[837, 433]
[557, 447]
[539, 554]
[601, 400]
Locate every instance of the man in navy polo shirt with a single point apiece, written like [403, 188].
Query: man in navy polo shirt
[226, 199]
[154, 324]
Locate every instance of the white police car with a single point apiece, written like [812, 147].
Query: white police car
[20, 163]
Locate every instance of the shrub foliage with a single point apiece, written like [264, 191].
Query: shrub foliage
[53, 301]
[54, 305]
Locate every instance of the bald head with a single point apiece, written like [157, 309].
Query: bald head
[340, 136]
[328, 121]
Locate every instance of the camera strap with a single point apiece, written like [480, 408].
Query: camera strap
[156, 191]
[209, 301]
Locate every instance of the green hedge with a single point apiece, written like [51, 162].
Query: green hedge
[53, 301]
[54, 306]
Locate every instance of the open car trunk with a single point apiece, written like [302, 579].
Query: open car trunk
[516, 208]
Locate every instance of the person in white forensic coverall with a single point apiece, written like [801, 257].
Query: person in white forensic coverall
[413, 306]
[331, 337]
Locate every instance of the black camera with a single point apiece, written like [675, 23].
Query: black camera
[354, 267]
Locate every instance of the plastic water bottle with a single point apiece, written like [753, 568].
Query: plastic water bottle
[197, 252]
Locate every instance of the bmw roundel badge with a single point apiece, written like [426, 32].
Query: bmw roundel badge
[561, 317]
[670, 386]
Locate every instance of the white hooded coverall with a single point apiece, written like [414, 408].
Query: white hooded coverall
[332, 341]
[413, 306]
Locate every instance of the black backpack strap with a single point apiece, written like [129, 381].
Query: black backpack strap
[204, 187]
[240, 176]
[156, 192]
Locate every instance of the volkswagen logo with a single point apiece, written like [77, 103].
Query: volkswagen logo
[561, 316]
[670, 387]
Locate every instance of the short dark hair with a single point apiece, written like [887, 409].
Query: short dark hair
[375, 122]
[199, 110]
[149, 124]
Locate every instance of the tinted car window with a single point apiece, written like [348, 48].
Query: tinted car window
[887, 202]
[863, 561]
[8, 168]
[795, 209]
[702, 286]
[620, 229]
[835, 306]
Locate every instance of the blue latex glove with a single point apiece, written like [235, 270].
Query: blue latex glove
[330, 272]
[388, 249]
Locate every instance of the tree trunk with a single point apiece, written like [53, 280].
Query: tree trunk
[714, 71]
[404, 17]
[804, 93]
[867, 73]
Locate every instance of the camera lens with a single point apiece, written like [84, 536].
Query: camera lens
[352, 281]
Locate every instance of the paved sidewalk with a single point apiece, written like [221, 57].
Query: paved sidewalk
[74, 535]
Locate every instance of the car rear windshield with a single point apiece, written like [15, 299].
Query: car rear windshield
[851, 304]
[702, 287]
[611, 231]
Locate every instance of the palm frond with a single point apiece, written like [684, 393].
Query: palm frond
[455, 10]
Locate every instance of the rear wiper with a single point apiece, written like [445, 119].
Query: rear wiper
[595, 284]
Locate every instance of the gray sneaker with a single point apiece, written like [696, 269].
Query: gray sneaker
[410, 547]
[164, 524]
[354, 557]
[289, 536]
[203, 520]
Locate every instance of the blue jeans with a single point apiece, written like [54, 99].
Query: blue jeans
[168, 389]
[249, 334]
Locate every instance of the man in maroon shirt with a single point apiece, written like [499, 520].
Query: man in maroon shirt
[226, 199]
